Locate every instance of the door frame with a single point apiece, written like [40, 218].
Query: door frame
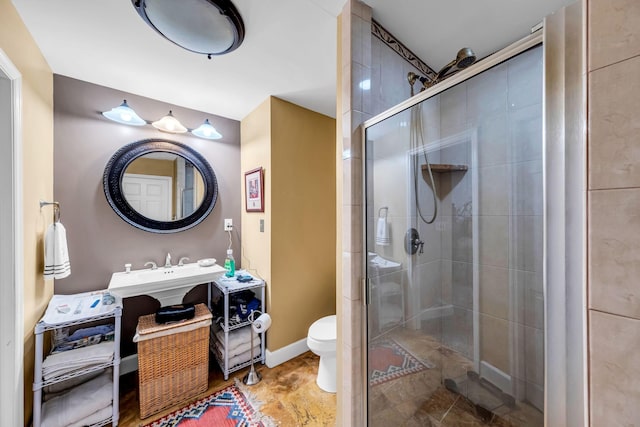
[11, 252]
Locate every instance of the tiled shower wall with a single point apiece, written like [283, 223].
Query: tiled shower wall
[614, 211]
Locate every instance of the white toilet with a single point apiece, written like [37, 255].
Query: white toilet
[322, 341]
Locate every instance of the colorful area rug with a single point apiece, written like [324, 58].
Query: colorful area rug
[388, 360]
[229, 407]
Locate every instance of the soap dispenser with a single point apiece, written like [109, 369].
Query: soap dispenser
[230, 264]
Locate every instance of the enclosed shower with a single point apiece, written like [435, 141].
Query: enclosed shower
[454, 237]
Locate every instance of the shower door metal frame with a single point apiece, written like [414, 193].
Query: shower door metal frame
[564, 248]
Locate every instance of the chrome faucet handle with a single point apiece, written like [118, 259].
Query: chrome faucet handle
[167, 261]
[152, 264]
[181, 262]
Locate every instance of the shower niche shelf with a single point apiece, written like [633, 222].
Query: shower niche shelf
[444, 167]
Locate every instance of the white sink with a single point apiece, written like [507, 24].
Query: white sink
[383, 265]
[167, 285]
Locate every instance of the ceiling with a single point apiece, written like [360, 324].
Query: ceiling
[289, 50]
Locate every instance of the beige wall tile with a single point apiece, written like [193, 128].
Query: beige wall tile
[351, 387]
[352, 228]
[614, 370]
[494, 190]
[494, 342]
[614, 31]
[351, 274]
[352, 181]
[494, 291]
[494, 240]
[614, 251]
[614, 148]
[352, 319]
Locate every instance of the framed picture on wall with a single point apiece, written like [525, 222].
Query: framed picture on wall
[254, 190]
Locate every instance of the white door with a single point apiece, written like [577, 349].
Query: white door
[11, 246]
[150, 195]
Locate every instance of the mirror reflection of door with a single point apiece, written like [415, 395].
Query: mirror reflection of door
[149, 195]
[163, 186]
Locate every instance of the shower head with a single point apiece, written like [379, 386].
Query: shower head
[464, 58]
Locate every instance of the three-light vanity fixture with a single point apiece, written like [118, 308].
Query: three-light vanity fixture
[126, 115]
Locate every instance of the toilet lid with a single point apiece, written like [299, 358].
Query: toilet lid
[324, 329]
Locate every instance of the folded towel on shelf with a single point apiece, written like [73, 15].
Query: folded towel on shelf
[240, 348]
[88, 332]
[382, 232]
[68, 361]
[236, 337]
[244, 357]
[56, 253]
[55, 389]
[78, 403]
[239, 358]
[95, 418]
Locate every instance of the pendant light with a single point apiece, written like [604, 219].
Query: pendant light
[124, 114]
[206, 131]
[169, 124]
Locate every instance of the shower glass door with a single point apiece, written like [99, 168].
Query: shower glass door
[454, 240]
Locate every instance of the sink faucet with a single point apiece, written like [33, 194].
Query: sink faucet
[182, 260]
[152, 264]
[167, 261]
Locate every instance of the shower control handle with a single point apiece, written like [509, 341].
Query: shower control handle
[412, 242]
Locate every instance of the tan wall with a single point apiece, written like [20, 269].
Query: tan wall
[37, 137]
[152, 167]
[302, 220]
[614, 203]
[255, 151]
[296, 252]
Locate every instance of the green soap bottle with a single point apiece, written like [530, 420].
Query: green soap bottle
[230, 264]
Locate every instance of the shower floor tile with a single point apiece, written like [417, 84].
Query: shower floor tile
[421, 399]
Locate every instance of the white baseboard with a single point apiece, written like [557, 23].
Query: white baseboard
[281, 355]
[495, 376]
[128, 364]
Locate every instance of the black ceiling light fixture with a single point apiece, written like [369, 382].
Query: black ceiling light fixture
[209, 27]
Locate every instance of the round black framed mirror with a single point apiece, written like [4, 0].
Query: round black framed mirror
[160, 186]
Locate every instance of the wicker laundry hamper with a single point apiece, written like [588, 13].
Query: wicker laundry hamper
[173, 360]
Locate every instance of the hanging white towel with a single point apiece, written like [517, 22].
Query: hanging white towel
[56, 253]
[382, 232]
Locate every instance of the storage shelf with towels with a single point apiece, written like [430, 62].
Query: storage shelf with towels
[224, 287]
[66, 311]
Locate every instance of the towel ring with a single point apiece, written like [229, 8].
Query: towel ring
[56, 209]
[386, 209]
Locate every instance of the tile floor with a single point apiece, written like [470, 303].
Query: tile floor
[288, 393]
[290, 396]
[422, 399]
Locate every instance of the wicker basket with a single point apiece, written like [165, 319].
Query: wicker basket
[172, 366]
